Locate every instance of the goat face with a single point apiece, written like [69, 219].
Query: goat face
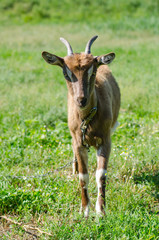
[79, 71]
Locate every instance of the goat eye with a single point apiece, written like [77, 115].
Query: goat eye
[69, 73]
[90, 72]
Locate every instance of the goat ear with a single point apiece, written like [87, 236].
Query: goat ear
[105, 59]
[52, 59]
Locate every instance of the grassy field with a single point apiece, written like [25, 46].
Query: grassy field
[34, 137]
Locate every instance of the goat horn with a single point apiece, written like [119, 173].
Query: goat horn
[69, 48]
[89, 44]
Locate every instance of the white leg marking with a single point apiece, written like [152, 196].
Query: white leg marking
[114, 127]
[99, 174]
[98, 208]
[86, 211]
[85, 178]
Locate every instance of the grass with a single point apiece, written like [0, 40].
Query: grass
[132, 14]
[34, 137]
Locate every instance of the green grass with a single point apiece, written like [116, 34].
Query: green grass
[34, 137]
[130, 14]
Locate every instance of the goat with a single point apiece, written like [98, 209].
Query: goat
[93, 108]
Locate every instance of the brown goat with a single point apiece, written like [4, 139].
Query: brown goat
[93, 107]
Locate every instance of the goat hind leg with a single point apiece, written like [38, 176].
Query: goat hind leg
[101, 175]
[75, 166]
[75, 163]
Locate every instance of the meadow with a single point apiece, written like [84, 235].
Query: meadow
[34, 137]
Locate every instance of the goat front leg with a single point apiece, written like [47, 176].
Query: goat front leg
[103, 153]
[82, 159]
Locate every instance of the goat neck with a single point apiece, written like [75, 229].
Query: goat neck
[84, 112]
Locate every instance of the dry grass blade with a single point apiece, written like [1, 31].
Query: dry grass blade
[26, 227]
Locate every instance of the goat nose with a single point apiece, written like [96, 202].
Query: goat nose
[82, 101]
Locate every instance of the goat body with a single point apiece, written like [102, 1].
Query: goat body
[91, 85]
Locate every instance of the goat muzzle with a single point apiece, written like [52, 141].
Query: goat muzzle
[82, 101]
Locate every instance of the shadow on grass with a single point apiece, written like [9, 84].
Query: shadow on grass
[153, 180]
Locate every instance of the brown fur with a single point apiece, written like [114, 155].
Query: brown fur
[78, 61]
[108, 102]
[107, 95]
[84, 193]
[100, 90]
